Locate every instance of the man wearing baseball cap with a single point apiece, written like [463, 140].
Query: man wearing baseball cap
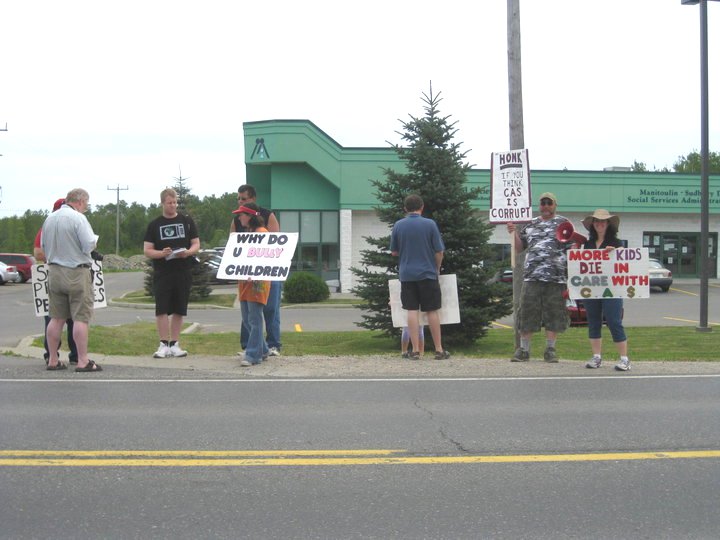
[542, 301]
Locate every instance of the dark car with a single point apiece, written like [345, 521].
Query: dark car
[211, 263]
[23, 263]
[660, 276]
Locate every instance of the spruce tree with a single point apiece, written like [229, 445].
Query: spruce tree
[436, 171]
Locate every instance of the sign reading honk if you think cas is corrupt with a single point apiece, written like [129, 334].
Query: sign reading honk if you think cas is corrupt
[258, 256]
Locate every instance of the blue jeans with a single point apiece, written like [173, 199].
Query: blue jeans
[252, 316]
[271, 311]
[611, 309]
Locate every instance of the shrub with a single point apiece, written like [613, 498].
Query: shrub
[304, 287]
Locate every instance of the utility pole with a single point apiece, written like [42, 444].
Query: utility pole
[117, 191]
[2, 129]
[517, 135]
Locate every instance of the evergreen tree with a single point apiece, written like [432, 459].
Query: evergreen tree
[436, 172]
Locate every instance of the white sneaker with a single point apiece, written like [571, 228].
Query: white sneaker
[273, 351]
[594, 362]
[162, 352]
[245, 363]
[623, 365]
[176, 351]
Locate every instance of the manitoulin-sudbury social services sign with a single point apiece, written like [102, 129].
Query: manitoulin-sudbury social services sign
[510, 187]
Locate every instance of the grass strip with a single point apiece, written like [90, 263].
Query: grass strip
[667, 343]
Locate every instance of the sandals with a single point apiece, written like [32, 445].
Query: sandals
[59, 366]
[91, 366]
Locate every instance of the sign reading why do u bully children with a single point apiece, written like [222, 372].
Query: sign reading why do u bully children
[618, 273]
[262, 256]
[510, 187]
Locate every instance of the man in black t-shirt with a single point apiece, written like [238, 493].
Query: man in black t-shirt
[172, 242]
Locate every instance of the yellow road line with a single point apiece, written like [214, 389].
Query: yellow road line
[684, 292]
[200, 453]
[329, 461]
[501, 325]
[689, 321]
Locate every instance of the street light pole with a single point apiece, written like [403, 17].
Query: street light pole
[704, 167]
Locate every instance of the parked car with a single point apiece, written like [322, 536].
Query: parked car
[211, 263]
[8, 273]
[503, 276]
[659, 275]
[22, 263]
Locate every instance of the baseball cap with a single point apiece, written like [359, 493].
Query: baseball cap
[548, 195]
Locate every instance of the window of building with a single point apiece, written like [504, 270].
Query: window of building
[680, 252]
[318, 248]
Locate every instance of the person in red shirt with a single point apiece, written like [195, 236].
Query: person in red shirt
[39, 255]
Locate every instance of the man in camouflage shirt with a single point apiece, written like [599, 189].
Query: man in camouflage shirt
[544, 279]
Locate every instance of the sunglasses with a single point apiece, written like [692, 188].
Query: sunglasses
[546, 202]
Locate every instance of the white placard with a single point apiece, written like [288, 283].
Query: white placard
[510, 187]
[449, 310]
[618, 273]
[40, 288]
[258, 256]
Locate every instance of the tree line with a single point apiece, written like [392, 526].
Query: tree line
[212, 215]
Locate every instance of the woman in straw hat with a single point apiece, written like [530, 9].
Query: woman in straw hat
[603, 228]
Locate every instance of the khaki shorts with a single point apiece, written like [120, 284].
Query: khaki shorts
[542, 304]
[70, 293]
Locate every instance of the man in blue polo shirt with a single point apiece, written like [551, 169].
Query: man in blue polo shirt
[417, 241]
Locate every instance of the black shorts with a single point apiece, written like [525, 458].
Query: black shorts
[423, 295]
[172, 292]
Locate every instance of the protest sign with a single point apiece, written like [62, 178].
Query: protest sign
[40, 288]
[258, 256]
[510, 187]
[618, 273]
[449, 310]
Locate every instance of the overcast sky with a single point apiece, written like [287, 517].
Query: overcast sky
[101, 94]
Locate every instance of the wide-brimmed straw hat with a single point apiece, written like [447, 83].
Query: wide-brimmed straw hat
[601, 213]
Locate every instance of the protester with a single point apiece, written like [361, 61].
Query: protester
[39, 256]
[171, 241]
[253, 294]
[542, 300]
[271, 312]
[603, 230]
[417, 242]
[67, 240]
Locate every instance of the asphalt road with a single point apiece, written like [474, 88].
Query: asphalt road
[544, 458]
[680, 307]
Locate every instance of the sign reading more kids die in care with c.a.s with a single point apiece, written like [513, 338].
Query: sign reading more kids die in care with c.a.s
[617, 273]
[510, 187]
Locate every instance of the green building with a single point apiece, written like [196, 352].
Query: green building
[322, 190]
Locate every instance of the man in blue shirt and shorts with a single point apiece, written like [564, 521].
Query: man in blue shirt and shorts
[417, 241]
